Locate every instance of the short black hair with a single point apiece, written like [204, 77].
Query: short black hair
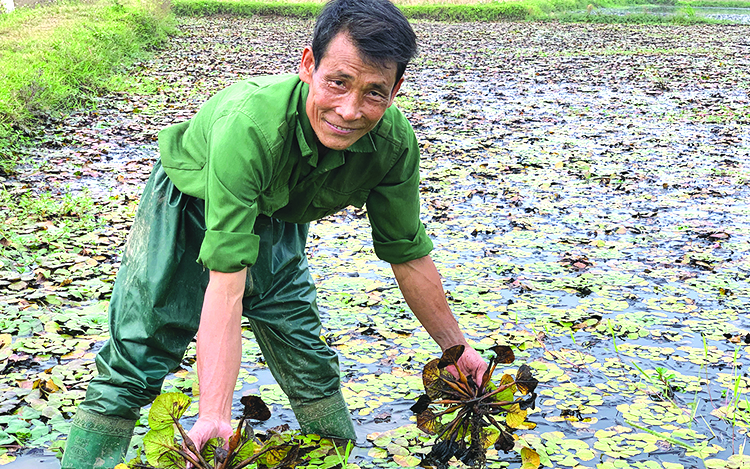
[378, 29]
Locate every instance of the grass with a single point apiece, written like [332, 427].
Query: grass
[451, 10]
[472, 10]
[59, 57]
[715, 3]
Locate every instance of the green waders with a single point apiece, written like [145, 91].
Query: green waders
[155, 311]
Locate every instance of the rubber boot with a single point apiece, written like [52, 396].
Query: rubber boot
[97, 441]
[328, 417]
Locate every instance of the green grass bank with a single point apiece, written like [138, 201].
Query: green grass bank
[58, 57]
[460, 10]
[494, 11]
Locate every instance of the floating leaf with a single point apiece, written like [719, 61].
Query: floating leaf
[255, 408]
[406, 461]
[166, 409]
[504, 354]
[451, 356]
[529, 458]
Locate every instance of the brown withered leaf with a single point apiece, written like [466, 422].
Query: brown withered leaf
[434, 386]
[255, 408]
[529, 402]
[421, 405]
[505, 442]
[428, 422]
[525, 381]
[504, 354]
[431, 379]
[292, 458]
[451, 356]
[516, 416]
[277, 455]
[506, 395]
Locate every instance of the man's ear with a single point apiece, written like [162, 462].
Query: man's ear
[396, 87]
[307, 65]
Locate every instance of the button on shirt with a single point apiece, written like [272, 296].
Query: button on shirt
[251, 150]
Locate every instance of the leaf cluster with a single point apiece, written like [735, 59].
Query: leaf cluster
[164, 450]
[467, 417]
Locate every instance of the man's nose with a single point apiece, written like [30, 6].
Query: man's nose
[349, 107]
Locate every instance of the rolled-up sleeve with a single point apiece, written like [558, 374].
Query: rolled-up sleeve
[393, 209]
[233, 183]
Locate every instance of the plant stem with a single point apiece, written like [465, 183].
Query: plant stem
[189, 444]
[457, 387]
[669, 439]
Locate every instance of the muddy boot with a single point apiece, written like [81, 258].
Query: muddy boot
[97, 441]
[328, 417]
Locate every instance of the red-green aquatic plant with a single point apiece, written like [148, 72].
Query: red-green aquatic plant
[244, 449]
[466, 416]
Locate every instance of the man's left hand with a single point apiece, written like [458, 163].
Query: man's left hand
[471, 364]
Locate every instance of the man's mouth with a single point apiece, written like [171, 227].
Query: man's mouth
[340, 128]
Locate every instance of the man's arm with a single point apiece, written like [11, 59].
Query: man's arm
[219, 353]
[422, 288]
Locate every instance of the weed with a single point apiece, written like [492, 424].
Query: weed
[662, 380]
[343, 459]
[58, 57]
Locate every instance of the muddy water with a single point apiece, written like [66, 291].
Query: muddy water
[42, 461]
[625, 147]
[732, 15]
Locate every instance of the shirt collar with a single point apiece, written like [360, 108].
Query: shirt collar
[305, 134]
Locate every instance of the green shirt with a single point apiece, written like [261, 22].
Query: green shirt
[251, 150]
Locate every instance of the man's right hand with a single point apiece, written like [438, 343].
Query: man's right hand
[206, 428]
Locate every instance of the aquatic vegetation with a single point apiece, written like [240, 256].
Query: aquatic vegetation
[278, 448]
[468, 419]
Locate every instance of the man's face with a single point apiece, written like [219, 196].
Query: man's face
[347, 95]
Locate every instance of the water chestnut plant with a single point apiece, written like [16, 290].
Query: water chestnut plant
[469, 417]
[244, 449]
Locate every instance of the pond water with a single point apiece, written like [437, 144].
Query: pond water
[586, 188]
[38, 461]
[732, 15]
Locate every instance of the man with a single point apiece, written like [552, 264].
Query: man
[234, 190]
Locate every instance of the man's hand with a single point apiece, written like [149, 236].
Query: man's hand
[206, 428]
[471, 363]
